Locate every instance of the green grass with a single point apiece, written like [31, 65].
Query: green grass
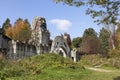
[50, 67]
[68, 74]
[102, 62]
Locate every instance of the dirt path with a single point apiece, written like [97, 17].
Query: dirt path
[100, 70]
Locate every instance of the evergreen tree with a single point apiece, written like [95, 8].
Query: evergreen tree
[89, 32]
[76, 42]
[6, 25]
[104, 41]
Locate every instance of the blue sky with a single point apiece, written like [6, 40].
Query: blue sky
[60, 18]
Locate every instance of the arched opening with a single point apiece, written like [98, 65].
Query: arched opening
[62, 51]
[60, 47]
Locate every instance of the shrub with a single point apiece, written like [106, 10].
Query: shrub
[114, 53]
[2, 75]
[91, 60]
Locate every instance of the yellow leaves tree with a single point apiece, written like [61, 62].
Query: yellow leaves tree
[20, 31]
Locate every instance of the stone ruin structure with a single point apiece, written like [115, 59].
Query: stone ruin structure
[40, 43]
[60, 46]
[18, 50]
[75, 55]
[40, 35]
[67, 39]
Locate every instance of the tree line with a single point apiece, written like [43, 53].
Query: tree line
[92, 42]
[20, 30]
[104, 12]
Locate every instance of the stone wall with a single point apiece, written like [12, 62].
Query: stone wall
[75, 55]
[18, 50]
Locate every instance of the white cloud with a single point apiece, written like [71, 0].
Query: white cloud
[61, 24]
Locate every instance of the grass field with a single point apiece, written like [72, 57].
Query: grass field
[70, 75]
[52, 67]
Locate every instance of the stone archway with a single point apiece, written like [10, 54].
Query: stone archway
[59, 46]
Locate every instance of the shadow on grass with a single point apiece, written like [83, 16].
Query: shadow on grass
[116, 78]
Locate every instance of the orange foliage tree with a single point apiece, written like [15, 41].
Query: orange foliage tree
[20, 31]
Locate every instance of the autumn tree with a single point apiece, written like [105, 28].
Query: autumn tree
[25, 32]
[20, 31]
[90, 42]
